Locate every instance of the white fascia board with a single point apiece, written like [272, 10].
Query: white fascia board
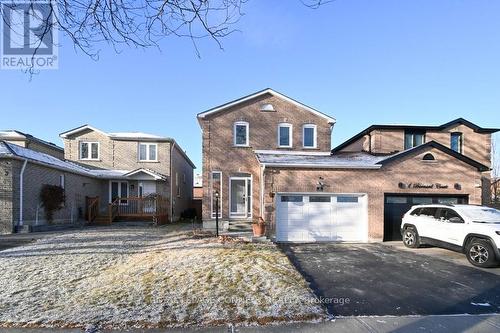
[318, 166]
[284, 152]
[263, 92]
[144, 171]
[79, 129]
[324, 193]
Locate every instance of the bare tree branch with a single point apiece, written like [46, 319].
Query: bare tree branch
[142, 23]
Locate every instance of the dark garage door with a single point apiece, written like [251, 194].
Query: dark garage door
[397, 205]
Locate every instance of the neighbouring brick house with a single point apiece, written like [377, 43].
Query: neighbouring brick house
[96, 164]
[267, 155]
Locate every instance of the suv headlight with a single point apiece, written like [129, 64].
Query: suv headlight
[498, 232]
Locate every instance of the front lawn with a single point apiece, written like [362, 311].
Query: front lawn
[149, 277]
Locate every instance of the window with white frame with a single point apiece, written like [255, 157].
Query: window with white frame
[309, 139]
[241, 132]
[285, 135]
[215, 187]
[148, 152]
[89, 150]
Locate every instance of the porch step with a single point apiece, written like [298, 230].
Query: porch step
[240, 226]
[262, 239]
[100, 220]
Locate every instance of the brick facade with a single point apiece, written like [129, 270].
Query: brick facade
[123, 154]
[219, 153]
[445, 170]
[385, 141]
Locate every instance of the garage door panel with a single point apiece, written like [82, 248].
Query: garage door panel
[326, 217]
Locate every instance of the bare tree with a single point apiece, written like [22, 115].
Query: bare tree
[140, 23]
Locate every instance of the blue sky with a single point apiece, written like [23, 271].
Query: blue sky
[360, 61]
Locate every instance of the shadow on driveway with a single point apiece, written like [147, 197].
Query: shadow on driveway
[378, 280]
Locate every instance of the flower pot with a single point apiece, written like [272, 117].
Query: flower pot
[259, 229]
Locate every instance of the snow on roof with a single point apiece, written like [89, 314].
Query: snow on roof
[344, 160]
[105, 173]
[11, 133]
[11, 150]
[135, 135]
[17, 135]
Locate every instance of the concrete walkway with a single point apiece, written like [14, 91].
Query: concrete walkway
[438, 324]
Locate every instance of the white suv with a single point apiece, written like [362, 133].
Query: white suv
[473, 230]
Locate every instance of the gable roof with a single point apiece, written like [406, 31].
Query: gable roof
[457, 121]
[139, 136]
[433, 144]
[152, 173]
[261, 93]
[18, 135]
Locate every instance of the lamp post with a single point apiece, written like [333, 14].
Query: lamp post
[217, 213]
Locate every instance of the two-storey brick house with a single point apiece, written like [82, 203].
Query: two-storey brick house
[135, 164]
[267, 155]
[233, 132]
[105, 177]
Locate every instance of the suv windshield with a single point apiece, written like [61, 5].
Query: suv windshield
[482, 214]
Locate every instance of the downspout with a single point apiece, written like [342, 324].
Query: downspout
[262, 185]
[172, 145]
[21, 181]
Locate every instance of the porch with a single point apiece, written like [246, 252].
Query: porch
[151, 208]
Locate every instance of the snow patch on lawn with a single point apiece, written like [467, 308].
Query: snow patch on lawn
[149, 277]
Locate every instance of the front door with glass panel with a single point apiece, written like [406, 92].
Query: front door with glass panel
[118, 189]
[240, 189]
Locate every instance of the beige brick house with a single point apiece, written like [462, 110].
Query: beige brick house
[137, 164]
[129, 170]
[267, 155]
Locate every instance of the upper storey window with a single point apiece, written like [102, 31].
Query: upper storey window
[89, 150]
[148, 152]
[457, 142]
[309, 139]
[414, 139]
[241, 132]
[285, 135]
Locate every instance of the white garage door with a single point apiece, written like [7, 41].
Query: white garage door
[321, 217]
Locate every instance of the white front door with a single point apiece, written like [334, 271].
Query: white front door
[240, 197]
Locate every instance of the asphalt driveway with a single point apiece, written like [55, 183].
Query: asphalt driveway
[379, 280]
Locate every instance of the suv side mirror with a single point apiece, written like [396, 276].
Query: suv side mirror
[456, 220]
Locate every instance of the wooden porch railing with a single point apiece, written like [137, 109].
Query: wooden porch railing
[92, 209]
[150, 207]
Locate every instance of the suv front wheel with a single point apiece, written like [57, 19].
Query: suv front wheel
[411, 238]
[480, 253]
